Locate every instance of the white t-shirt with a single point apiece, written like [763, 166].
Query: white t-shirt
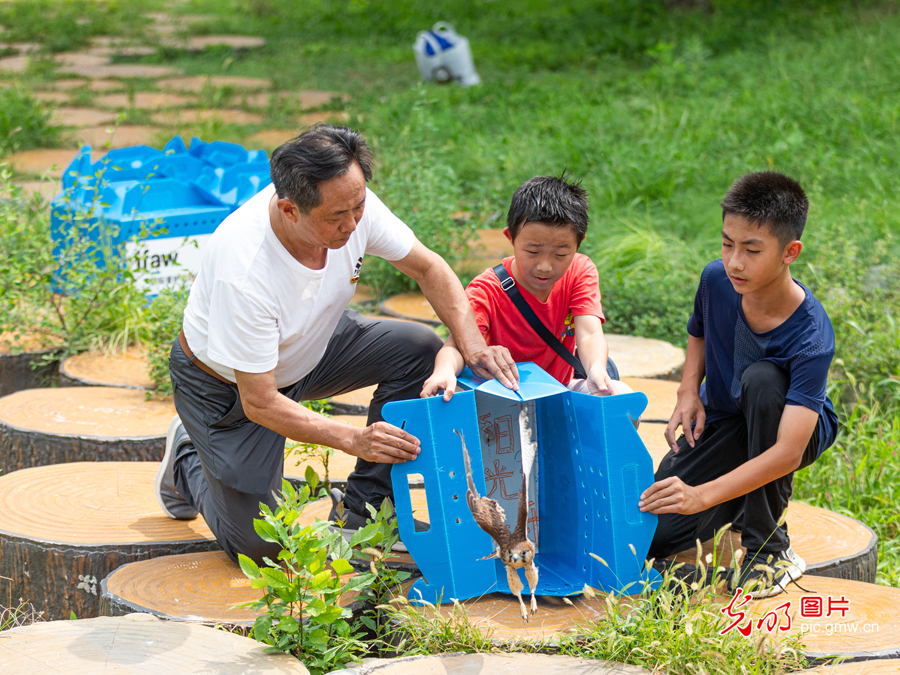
[253, 307]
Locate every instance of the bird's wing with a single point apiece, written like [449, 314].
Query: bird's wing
[487, 512]
[529, 445]
[529, 454]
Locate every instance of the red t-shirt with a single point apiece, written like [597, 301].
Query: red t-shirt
[501, 323]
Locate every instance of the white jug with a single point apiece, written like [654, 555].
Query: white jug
[443, 55]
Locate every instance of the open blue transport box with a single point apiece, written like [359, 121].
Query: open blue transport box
[591, 469]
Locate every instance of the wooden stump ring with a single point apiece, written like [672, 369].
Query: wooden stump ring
[138, 643]
[73, 424]
[130, 370]
[64, 527]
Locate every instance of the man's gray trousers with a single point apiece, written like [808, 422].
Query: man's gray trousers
[232, 464]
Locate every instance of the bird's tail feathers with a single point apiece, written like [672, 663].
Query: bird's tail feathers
[468, 464]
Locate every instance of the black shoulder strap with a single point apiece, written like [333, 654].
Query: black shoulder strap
[508, 284]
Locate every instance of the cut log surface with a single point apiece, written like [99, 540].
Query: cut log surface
[17, 353]
[482, 664]
[136, 644]
[499, 613]
[73, 424]
[63, 528]
[198, 587]
[875, 667]
[831, 544]
[412, 306]
[869, 629]
[645, 357]
[129, 369]
[661, 397]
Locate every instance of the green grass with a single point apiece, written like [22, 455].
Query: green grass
[656, 110]
[24, 123]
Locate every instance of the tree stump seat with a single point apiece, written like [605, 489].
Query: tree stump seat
[74, 424]
[64, 527]
[874, 667]
[473, 664]
[136, 644]
[17, 353]
[831, 544]
[129, 369]
[196, 587]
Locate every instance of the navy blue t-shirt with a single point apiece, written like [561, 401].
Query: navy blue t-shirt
[803, 346]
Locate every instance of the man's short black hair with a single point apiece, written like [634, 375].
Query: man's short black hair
[772, 199]
[550, 200]
[318, 154]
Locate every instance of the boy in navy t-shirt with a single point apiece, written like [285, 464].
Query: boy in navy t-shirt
[764, 345]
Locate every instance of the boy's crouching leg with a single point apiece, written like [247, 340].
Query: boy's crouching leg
[764, 389]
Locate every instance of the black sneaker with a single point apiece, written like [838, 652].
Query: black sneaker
[350, 522]
[170, 500]
[766, 574]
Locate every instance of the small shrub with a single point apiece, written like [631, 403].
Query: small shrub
[302, 612]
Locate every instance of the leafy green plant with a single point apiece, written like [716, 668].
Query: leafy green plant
[160, 328]
[307, 589]
[62, 288]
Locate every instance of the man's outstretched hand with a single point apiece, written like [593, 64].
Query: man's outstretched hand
[490, 363]
[384, 443]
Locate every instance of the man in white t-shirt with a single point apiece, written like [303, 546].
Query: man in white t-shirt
[267, 325]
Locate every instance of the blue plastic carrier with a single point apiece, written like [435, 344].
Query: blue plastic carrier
[164, 199]
[591, 469]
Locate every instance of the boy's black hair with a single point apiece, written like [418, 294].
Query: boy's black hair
[772, 199]
[550, 200]
[318, 154]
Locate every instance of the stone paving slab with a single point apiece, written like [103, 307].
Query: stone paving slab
[491, 664]
[308, 119]
[106, 85]
[14, 64]
[198, 43]
[147, 100]
[50, 96]
[81, 117]
[226, 116]
[123, 136]
[305, 98]
[121, 70]
[81, 59]
[195, 84]
[272, 138]
[36, 162]
[132, 50]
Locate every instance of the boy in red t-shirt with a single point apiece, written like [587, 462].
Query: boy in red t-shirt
[546, 224]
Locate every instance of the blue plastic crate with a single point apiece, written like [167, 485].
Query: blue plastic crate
[591, 469]
[134, 192]
[235, 185]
